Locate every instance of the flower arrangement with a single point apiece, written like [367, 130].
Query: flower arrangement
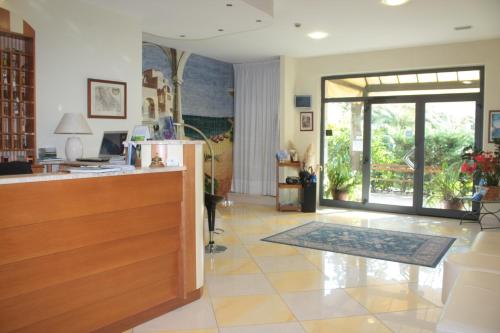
[482, 165]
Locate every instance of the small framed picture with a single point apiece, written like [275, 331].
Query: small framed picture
[494, 125]
[106, 99]
[306, 121]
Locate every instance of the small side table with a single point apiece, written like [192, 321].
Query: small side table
[484, 210]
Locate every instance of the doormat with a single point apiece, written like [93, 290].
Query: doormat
[403, 247]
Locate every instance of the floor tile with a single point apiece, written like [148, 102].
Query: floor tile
[266, 249]
[236, 285]
[361, 324]
[322, 304]
[232, 251]
[182, 318]
[251, 310]
[277, 264]
[270, 328]
[297, 281]
[221, 265]
[390, 298]
[419, 321]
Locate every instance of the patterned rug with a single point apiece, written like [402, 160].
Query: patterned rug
[404, 247]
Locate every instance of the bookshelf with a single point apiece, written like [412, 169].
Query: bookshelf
[17, 92]
[281, 185]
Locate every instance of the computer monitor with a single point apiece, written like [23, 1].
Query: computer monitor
[112, 143]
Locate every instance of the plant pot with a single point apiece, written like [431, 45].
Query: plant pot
[492, 192]
[454, 204]
[340, 195]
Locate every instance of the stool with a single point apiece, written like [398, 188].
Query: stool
[211, 201]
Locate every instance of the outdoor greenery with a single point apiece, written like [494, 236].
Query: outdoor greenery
[448, 185]
[341, 177]
[393, 137]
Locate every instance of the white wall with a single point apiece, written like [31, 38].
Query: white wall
[308, 72]
[76, 41]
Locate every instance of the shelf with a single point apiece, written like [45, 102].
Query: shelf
[289, 164]
[290, 208]
[285, 185]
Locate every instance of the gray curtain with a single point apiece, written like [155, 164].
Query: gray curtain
[256, 130]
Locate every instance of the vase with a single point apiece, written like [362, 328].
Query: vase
[340, 195]
[492, 193]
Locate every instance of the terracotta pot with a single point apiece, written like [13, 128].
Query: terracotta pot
[492, 192]
[340, 195]
[454, 204]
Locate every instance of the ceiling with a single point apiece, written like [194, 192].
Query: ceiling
[352, 25]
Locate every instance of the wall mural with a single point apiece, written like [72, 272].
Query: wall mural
[198, 91]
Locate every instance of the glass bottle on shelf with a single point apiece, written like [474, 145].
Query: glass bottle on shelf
[6, 92]
[6, 109]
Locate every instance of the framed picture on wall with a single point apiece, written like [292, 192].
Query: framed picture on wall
[106, 99]
[306, 121]
[494, 125]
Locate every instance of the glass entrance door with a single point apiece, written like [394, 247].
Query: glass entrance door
[449, 127]
[392, 150]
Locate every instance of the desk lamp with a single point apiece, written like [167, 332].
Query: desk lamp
[73, 123]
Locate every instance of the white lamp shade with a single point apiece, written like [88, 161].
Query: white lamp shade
[73, 123]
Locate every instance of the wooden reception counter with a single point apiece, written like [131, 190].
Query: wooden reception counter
[87, 253]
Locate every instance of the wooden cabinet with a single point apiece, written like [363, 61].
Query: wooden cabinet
[280, 184]
[17, 92]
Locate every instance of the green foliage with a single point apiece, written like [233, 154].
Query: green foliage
[448, 185]
[338, 170]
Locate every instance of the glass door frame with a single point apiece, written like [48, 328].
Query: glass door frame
[420, 101]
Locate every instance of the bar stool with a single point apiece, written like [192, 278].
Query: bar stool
[211, 201]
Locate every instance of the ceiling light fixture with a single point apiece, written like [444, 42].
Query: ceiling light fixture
[182, 36]
[229, 5]
[220, 30]
[463, 27]
[394, 2]
[258, 21]
[317, 35]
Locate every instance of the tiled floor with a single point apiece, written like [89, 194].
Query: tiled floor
[258, 287]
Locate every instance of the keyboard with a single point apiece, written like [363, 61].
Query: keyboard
[93, 159]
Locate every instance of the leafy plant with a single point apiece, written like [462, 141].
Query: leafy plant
[481, 164]
[341, 178]
[448, 185]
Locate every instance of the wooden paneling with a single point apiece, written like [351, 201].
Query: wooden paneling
[29, 275]
[64, 235]
[72, 198]
[91, 318]
[85, 254]
[54, 301]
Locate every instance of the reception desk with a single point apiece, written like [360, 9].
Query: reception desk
[99, 253]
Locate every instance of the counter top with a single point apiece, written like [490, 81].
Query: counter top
[167, 142]
[44, 177]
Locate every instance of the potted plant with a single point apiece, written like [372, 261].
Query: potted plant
[448, 186]
[341, 179]
[485, 166]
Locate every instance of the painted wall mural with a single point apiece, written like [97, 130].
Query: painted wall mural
[195, 90]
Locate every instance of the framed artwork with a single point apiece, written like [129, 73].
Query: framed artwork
[306, 121]
[106, 99]
[494, 125]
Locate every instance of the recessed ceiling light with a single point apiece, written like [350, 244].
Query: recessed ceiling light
[317, 35]
[182, 36]
[220, 30]
[394, 2]
[467, 82]
[258, 21]
[463, 27]
[229, 5]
